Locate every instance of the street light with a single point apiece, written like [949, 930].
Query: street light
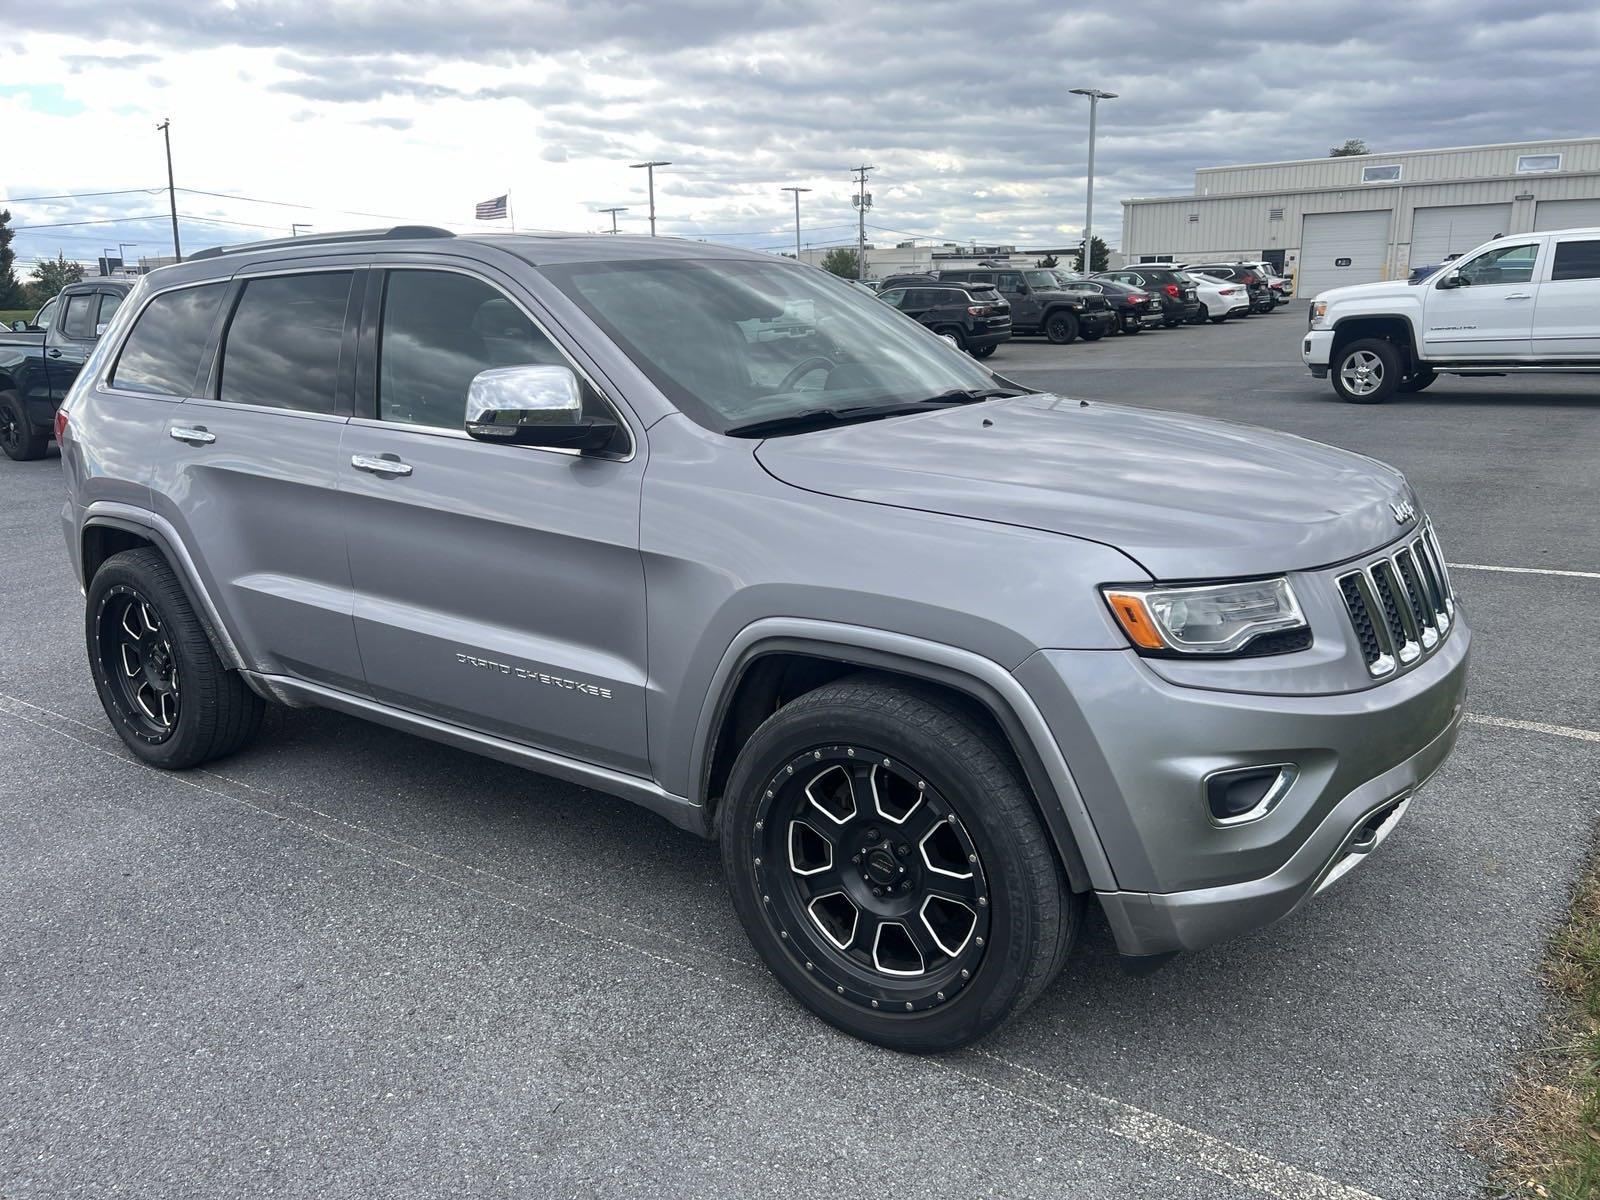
[296, 226]
[650, 170]
[107, 260]
[1095, 96]
[796, 191]
[613, 212]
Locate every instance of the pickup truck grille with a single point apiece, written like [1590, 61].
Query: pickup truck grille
[1400, 604]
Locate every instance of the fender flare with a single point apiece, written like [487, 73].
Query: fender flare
[1060, 802]
[161, 533]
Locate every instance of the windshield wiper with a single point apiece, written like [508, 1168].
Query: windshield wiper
[817, 418]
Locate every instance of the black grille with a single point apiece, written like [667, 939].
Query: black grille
[1400, 605]
[1361, 620]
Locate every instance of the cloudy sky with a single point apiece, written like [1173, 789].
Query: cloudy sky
[362, 111]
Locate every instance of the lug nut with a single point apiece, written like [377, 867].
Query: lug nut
[872, 834]
[877, 891]
[905, 885]
[902, 849]
[855, 858]
[902, 870]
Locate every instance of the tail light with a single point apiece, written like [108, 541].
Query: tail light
[978, 310]
[61, 423]
[1227, 291]
[1172, 290]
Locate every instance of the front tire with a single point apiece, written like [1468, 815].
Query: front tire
[1366, 371]
[168, 695]
[17, 436]
[886, 860]
[1061, 328]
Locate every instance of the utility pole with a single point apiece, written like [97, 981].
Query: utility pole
[1095, 96]
[613, 212]
[796, 191]
[650, 170]
[863, 199]
[296, 227]
[172, 193]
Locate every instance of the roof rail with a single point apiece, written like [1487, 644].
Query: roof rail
[322, 239]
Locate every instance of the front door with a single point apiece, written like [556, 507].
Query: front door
[70, 341]
[497, 587]
[1491, 314]
[1025, 310]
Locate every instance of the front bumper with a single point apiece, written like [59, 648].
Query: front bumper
[1102, 319]
[1139, 748]
[1316, 350]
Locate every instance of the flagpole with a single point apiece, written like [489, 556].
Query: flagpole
[511, 214]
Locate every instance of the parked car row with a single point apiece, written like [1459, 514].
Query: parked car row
[979, 307]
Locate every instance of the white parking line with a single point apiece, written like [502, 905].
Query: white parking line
[1524, 570]
[1152, 1131]
[1566, 731]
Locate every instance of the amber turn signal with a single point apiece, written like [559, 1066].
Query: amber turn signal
[1135, 620]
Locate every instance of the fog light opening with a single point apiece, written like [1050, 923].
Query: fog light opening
[1245, 794]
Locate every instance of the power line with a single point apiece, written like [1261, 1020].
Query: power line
[79, 195]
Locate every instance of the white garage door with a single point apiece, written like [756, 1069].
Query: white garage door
[1341, 248]
[1566, 214]
[1455, 229]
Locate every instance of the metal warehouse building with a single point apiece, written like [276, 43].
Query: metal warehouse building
[1334, 221]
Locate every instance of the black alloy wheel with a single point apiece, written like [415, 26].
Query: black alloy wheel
[17, 439]
[135, 653]
[1061, 328]
[873, 876]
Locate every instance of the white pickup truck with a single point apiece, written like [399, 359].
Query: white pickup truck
[1523, 302]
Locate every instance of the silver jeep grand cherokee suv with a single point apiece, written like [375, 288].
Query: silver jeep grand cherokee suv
[940, 660]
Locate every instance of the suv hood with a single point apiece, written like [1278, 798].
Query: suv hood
[1367, 291]
[1187, 497]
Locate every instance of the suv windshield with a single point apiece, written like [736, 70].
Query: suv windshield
[1044, 280]
[732, 342]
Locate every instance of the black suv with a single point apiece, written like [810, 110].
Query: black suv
[1040, 304]
[1179, 303]
[1261, 298]
[975, 318]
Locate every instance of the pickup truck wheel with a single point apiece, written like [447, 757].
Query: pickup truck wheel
[167, 693]
[1417, 380]
[1061, 328]
[886, 860]
[17, 436]
[1367, 371]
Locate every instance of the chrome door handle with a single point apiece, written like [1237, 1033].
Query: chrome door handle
[195, 436]
[379, 465]
[1519, 296]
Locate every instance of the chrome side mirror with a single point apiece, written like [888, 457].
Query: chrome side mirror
[19, 327]
[100, 329]
[1452, 279]
[533, 406]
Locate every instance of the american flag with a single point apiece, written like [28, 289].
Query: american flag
[492, 210]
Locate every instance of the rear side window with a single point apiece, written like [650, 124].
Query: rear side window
[108, 307]
[1577, 260]
[78, 321]
[163, 352]
[282, 346]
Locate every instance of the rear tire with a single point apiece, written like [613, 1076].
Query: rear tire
[17, 436]
[953, 332]
[168, 695]
[1201, 317]
[1132, 327]
[1218, 320]
[1061, 328]
[1417, 380]
[985, 351]
[1366, 371]
[861, 767]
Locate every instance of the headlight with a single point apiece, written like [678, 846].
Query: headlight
[1221, 618]
[1319, 310]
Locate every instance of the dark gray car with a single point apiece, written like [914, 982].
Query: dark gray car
[941, 661]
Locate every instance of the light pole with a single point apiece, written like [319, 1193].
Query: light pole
[1095, 96]
[122, 254]
[296, 226]
[172, 193]
[650, 170]
[613, 212]
[107, 260]
[796, 191]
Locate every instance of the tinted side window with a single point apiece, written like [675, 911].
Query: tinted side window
[163, 352]
[46, 315]
[439, 330]
[78, 321]
[895, 297]
[108, 307]
[282, 345]
[1577, 260]
[1009, 281]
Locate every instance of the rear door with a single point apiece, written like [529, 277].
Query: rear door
[1490, 316]
[1566, 319]
[247, 470]
[497, 587]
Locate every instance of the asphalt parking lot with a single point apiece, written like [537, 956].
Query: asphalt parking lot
[348, 962]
